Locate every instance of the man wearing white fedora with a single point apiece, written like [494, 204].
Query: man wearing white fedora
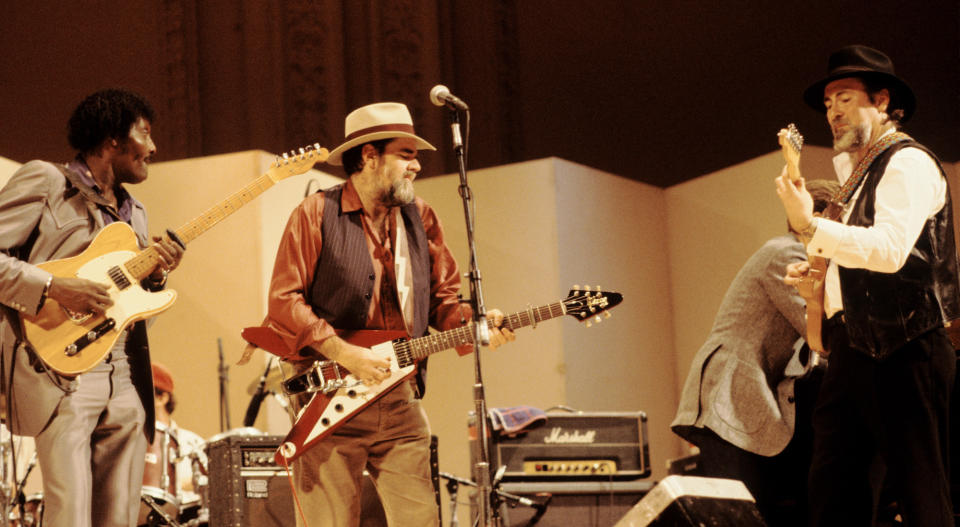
[368, 254]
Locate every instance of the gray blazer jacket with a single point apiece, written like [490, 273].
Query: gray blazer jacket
[43, 216]
[736, 385]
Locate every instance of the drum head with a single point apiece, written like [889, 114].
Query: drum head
[160, 496]
[166, 502]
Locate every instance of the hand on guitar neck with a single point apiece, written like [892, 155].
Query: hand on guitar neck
[791, 187]
[807, 277]
[80, 295]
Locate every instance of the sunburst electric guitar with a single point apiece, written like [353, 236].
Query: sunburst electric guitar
[811, 285]
[71, 343]
[338, 395]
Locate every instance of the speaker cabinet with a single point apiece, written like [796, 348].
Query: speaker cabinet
[247, 488]
[690, 501]
[573, 502]
[246, 485]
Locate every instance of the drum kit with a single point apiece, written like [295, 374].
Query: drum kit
[178, 498]
[164, 499]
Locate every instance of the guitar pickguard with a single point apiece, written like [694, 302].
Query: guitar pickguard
[328, 411]
[55, 329]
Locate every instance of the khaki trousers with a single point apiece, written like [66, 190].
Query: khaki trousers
[391, 439]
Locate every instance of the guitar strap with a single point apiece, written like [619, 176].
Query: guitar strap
[838, 203]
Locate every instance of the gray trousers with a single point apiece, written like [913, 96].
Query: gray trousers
[92, 452]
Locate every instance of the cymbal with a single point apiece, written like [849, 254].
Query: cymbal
[273, 384]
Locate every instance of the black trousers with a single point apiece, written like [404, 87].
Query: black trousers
[883, 426]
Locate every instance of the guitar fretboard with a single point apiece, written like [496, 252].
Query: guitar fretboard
[413, 350]
[146, 261]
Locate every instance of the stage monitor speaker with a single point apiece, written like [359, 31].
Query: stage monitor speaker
[691, 501]
[573, 502]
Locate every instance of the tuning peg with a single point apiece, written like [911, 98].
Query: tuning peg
[589, 324]
[597, 319]
[576, 287]
[607, 314]
[597, 288]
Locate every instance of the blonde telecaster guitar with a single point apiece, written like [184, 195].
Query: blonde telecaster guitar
[338, 395]
[811, 285]
[71, 343]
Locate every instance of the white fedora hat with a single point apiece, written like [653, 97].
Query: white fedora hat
[381, 120]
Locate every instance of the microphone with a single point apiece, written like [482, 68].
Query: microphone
[440, 95]
[254, 407]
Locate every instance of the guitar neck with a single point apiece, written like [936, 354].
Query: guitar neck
[225, 208]
[146, 261]
[416, 349]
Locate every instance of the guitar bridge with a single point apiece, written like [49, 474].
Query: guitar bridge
[100, 330]
[324, 376]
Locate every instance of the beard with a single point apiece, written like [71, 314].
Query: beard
[400, 193]
[852, 139]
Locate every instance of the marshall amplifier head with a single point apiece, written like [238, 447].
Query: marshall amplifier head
[573, 446]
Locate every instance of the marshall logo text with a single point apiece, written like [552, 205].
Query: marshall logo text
[559, 436]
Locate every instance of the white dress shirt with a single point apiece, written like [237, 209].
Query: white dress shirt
[911, 191]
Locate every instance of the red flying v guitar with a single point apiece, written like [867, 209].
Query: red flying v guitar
[338, 395]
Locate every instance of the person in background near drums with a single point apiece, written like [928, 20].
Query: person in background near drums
[91, 430]
[368, 254]
[191, 462]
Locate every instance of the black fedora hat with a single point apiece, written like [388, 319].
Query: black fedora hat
[866, 63]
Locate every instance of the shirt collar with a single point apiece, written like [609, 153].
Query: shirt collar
[843, 162]
[125, 202]
[349, 199]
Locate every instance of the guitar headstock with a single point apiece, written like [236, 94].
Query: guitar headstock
[295, 162]
[791, 142]
[585, 304]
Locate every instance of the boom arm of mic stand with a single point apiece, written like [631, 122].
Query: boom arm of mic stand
[453, 481]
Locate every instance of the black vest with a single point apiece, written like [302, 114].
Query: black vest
[884, 311]
[343, 279]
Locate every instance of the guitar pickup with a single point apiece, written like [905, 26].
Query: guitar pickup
[100, 330]
[322, 376]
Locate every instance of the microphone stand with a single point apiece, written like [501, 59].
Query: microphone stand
[21, 498]
[481, 336]
[224, 377]
[511, 499]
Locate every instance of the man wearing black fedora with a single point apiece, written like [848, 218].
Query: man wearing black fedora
[368, 254]
[881, 422]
